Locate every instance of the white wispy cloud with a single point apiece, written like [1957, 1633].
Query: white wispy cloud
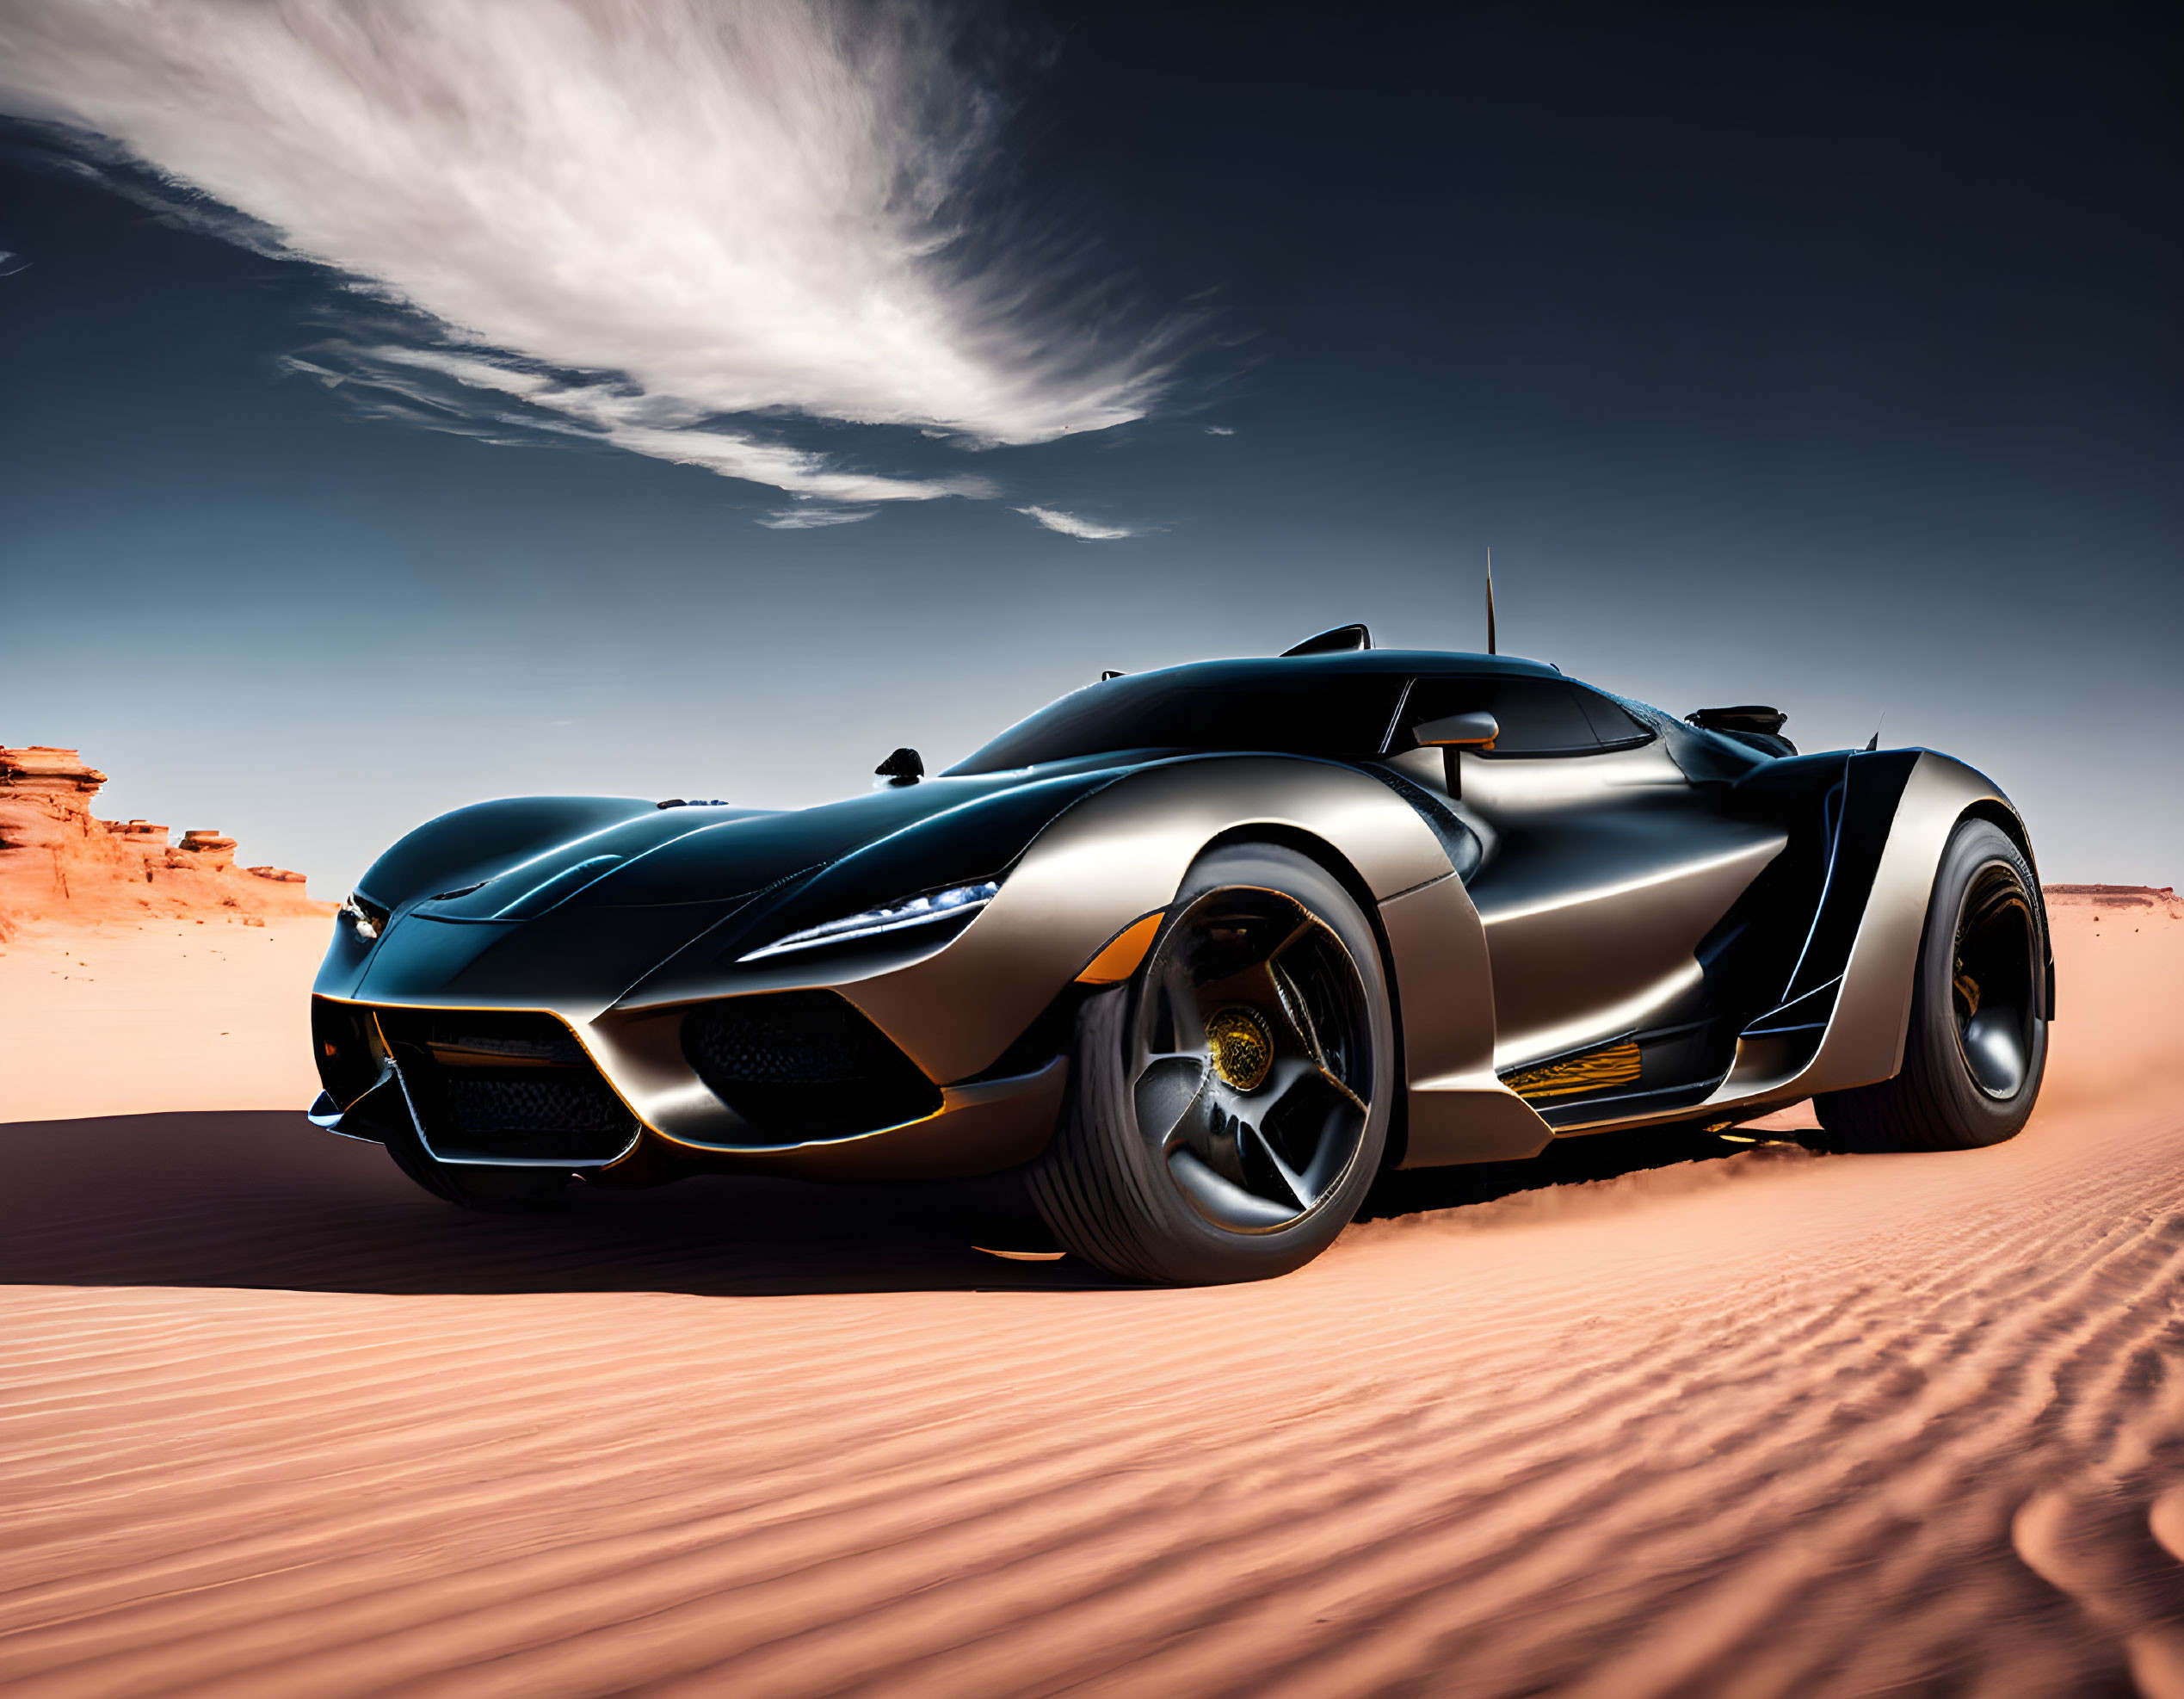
[813, 518]
[1220, 430]
[633, 220]
[1070, 526]
[647, 424]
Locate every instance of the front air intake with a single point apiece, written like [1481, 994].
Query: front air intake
[801, 1065]
[346, 1047]
[500, 1087]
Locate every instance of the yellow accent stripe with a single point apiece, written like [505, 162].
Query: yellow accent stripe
[1618, 1065]
[1119, 960]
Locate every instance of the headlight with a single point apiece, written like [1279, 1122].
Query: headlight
[957, 902]
[367, 918]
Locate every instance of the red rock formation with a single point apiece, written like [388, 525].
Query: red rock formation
[59, 860]
[2120, 897]
[45, 769]
[203, 849]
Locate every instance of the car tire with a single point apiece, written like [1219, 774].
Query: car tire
[473, 1185]
[1977, 1045]
[1230, 1104]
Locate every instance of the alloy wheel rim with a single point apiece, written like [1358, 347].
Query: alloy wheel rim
[1992, 981]
[1251, 1063]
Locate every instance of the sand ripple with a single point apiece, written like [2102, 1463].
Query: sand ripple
[1776, 1425]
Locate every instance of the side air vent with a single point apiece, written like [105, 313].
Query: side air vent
[799, 1066]
[1617, 1065]
[506, 1087]
[1665, 1068]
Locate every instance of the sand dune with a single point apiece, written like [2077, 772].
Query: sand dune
[1776, 1425]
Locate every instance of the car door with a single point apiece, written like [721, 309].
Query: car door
[1603, 870]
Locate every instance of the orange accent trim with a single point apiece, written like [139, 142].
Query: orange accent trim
[1119, 960]
[1618, 1065]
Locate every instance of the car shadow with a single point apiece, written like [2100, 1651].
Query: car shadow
[265, 1200]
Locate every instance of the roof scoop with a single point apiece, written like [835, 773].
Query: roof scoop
[1745, 717]
[1749, 723]
[1336, 641]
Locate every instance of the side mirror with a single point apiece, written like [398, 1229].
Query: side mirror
[1459, 731]
[905, 767]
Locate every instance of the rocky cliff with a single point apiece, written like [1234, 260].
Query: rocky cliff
[60, 861]
[2120, 899]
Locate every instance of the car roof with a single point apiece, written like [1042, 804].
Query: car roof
[1357, 662]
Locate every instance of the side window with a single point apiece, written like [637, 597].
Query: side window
[1537, 716]
[1611, 724]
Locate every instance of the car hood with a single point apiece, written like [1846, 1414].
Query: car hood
[603, 909]
[701, 854]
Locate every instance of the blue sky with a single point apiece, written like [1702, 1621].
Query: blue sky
[405, 405]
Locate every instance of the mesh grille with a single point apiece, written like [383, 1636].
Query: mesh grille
[575, 1105]
[512, 1087]
[805, 1064]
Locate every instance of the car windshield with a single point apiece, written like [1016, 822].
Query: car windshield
[1195, 709]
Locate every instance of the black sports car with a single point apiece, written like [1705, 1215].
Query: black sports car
[1198, 952]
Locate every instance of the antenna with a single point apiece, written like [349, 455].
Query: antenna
[1874, 742]
[1489, 602]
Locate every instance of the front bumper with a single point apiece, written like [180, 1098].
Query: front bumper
[817, 1091]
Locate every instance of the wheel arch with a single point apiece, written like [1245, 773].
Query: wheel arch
[1309, 845]
[1452, 1109]
[1994, 809]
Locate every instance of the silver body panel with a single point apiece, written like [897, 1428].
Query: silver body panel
[1592, 920]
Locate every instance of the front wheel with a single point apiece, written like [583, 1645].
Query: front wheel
[1977, 1042]
[1232, 1103]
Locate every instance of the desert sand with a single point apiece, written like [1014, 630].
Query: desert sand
[276, 1423]
[136, 1017]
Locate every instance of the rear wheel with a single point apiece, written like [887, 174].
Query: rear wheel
[1232, 1103]
[1977, 1042]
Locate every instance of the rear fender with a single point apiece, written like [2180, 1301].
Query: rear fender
[1864, 1038]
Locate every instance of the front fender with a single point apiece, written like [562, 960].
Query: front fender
[1122, 854]
[1116, 857]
